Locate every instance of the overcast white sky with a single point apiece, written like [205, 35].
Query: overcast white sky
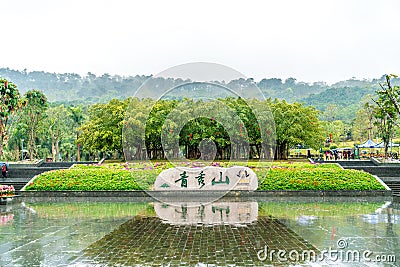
[311, 40]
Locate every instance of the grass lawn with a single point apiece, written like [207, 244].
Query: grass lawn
[141, 176]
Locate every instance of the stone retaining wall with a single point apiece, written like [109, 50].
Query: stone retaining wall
[211, 194]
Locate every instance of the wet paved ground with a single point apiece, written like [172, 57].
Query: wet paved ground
[131, 234]
[148, 241]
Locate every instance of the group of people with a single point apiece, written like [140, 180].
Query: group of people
[338, 155]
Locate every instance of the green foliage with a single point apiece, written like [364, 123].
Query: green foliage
[345, 100]
[10, 98]
[335, 128]
[85, 180]
[9, 104]
[35, 100]
[32, 115]
[364, 127]
[295, 124]
[338, 104]
[318, 178]
[57, 128]
[103, 129]
[90, 88]
[388, 110]
[147, 122]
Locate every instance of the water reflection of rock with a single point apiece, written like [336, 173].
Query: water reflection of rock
[211, 213]
[306, 220]
[148, 241]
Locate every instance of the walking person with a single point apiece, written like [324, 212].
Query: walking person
[4, 170]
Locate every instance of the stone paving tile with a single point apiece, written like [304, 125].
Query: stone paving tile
[148, 241]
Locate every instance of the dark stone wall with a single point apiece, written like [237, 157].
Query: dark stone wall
[358, 163]
[65, 164]
[19, 175]
[392, 171]
[203, 195]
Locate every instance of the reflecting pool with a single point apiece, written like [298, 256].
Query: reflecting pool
[230, 232]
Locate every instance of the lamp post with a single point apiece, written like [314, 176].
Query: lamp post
[22, 149]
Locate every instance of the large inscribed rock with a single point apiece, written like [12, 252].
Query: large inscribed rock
[207, 178]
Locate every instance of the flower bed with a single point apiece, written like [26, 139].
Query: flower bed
[317, 179]
[85, 179]
[7, 191]
[141, 176]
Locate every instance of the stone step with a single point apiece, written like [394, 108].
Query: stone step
[28, 172]
[395, 186]
[384, 171]
[347, 163]
[7, 181]
[393, 182]
[390, 179]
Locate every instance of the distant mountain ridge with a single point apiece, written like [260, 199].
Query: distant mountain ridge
[88, 89]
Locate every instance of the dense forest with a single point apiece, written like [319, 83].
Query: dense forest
[344, 97]
[67, 116]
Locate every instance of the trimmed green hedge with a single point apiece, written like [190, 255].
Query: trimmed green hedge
[316, 179]
[85, 180]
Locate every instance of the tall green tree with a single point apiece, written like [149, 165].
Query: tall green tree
[58, 127]
[363, 125]
[392, 92]
[77, 120]
[103, 130]
[10, 102]
[295, 124]
[387, 111]
[135, 127]
[32, 113]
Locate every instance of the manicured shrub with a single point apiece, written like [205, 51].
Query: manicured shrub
[85, 179]
[317, 179]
